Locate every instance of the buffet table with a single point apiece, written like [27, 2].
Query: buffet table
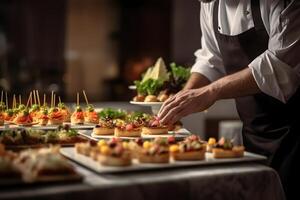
[234, 181]
[223, 181]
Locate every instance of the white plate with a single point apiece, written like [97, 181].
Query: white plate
[209, 160]
[147, 103]
[179, 135]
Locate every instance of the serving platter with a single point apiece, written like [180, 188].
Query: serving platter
[136, 166]
[179, 135]
[48, 127]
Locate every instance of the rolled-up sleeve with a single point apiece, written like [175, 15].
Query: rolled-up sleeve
[208, 59]
[277, 70]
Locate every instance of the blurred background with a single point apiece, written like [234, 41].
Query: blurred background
[97, 45]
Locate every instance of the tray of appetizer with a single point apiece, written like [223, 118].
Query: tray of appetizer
[24, 138]
[42, 116]
[43, 165]
[119, 156]
[158, 84]
[114, 123]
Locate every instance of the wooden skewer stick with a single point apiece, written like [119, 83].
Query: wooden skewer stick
[1, 96]
[54, 97]
[6, 100]
[44, 100]
[51, 99]
[86, 99]
[34, 97]
[38, 97]
[59, 100]
[77, 99]
[29, 98]
[20, 99]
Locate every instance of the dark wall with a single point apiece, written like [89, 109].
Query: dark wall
[186, 33]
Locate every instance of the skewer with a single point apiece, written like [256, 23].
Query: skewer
[54, 97]
[77, 99]
[44, 100]
[59, 99]
[86, 99]
[1, 96]
[51, 99]
[34, 97]
[29, 98]
[6, 100]
[20, 99]
[38, 97]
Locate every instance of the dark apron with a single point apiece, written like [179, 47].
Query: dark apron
[270, 127]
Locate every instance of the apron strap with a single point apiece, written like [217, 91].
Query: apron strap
[215, 17]
[256, 15]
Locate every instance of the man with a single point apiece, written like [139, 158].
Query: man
[250, 52]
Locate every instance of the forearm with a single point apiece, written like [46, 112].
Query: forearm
[196, 80]
[235, 85]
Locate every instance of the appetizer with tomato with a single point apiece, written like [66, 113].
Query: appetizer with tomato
[34, 112]
[9, 115]
[108, 118]
[113, 153]
[55, 116]
[225, 149]
[154, 152]
[77, 116]
[43, 117]
[1, 118]
[192, 148]
[23, 118]
[154, 127]
[91, 116]
[65, 112]
[128, 129]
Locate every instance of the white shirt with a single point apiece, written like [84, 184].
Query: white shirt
[277, 70]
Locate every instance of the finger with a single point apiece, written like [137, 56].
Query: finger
[168, 108]
[167, 102]
[170, 114]
[182, 113]
[178, 98]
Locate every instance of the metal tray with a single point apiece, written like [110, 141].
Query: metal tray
[95, 166]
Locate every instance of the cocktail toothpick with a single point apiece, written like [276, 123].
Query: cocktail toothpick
[44, 100]
[38, 97]
[29, 99]
[6, 99]
[34, 97]
[51, 99]
[86, 99]
[54, 97]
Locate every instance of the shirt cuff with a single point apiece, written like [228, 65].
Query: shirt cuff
[206, 70]
[274, 77]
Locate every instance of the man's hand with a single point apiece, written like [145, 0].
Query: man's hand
[189, 101]
[186, 102]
